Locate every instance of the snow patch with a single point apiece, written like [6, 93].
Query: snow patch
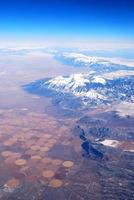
[110, 143]
[92, 94]
[99, 80]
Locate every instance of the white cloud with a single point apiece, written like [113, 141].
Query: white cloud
[124, 109]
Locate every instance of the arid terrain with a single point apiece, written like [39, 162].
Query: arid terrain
[41, 154]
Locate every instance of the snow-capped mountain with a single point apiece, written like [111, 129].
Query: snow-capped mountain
[97, 64]
[76, 84]
[81, 58]
[80, 90]
[104, 83]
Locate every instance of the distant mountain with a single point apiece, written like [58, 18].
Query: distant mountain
[97, 64]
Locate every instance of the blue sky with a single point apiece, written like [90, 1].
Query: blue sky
[67, 19]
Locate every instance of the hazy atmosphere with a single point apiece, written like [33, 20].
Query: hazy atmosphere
[66, 100]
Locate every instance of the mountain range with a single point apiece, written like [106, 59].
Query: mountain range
[105, 83]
